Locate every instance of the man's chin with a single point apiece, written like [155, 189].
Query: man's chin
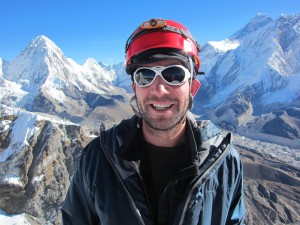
[163, 123]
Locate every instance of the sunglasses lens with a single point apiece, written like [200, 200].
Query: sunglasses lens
[144, 76]
[173, 75]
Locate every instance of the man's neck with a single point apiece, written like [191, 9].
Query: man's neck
[165, 138]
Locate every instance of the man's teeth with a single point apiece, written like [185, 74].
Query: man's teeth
[159, 106]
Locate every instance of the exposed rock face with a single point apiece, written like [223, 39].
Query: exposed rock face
[36, 177]
[271, 187]
[285, 124]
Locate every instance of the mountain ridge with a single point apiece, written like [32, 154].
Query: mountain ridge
[44, 80]
[253, 75]
[51, 107]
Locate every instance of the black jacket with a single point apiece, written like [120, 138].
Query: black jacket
[107, 187]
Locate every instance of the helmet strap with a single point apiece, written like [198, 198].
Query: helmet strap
[134, 106]
[191, 66]
[191, 98]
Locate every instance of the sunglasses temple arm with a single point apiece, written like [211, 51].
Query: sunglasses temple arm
[191, 66]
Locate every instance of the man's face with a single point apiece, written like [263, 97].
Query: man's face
[163, 106]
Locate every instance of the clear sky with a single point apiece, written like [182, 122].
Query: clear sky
[99, 29]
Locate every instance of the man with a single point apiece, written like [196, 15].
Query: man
[160, 166]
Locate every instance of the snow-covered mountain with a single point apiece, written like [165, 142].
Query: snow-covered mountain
[254, 72]
[43, 64]
[42, 79]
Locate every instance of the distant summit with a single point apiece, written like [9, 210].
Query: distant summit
[42, 79]
[259, 21]
[252, 75]
[43, 44]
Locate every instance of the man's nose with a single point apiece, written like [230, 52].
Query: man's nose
[160, 86]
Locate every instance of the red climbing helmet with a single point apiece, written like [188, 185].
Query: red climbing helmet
[160, 36]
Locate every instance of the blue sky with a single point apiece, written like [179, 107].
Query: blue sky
[99, 29]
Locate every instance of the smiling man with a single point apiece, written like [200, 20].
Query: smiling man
[163, 105]
[161, 166]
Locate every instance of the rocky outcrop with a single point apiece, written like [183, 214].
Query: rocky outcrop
[35, 179]
[271, 188]
[286, 123]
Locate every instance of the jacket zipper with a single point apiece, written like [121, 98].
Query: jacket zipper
[147, 196]
[137, 212]
[200, 180]
[172, 181]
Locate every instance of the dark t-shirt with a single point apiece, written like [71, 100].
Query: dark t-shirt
[164, 163]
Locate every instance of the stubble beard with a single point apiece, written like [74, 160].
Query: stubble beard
[166, 125]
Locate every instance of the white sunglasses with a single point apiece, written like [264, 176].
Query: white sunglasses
[173, 75]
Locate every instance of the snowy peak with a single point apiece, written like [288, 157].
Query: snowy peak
[42, 79]
[225, 45]
[259, 21]
[42, 63]
[31, 67]
[42, 44]
[42, 51]
[261, 63]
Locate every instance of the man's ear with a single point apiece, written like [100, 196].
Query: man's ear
[195, 85]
